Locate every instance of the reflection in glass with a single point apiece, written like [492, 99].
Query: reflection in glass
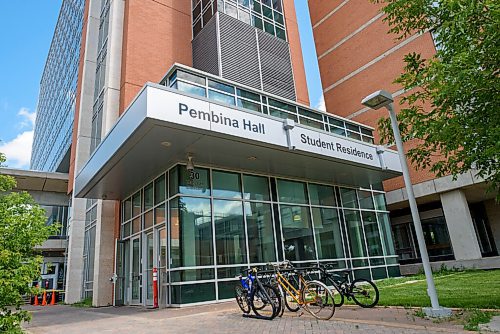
[229, 232]
[385, 225]
[148, 196]
[292, 192]
[321, 195]
[372, 234]
[297, 233]
[349, 199]
[160, 189]
[355, 233]
[256, 187]
[365, 200]
[136, 204]
[195, 182]
[379, 201]
[260, 232]
[327, 231]
[191, 232]
[226, 184]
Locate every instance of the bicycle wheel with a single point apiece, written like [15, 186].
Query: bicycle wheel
[266, 302]
[318, 300]
[241, 299]
[338, 296]
[290, 303]
[364, 292]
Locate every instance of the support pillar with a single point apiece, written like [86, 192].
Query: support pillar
[460, 226]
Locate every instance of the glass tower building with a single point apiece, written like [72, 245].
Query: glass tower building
[57, 97]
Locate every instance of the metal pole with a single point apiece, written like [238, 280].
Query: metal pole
[431, 288]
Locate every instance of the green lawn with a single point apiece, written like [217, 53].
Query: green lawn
[461, 289]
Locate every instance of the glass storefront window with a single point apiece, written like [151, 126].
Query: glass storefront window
[260, 232]
[321, 195]
[195, 182]
[148, 196]
[136, 204]
[297, 233]
[328, 236]
[229, 232]
[372, 234]
[349, 199]
[379, 201]
[191, 232]
[385, 226]
[355, 233]
[256, 188]
[225, 184]
[292, 192]
[127, 209]
[365, 200]
[160, 189]
[160, 214]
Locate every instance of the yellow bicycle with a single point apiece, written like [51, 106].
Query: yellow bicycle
[297, 292]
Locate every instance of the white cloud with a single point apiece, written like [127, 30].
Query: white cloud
[18, 150]
[321, 103]
[29, 118]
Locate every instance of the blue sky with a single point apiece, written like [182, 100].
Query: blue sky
[26, 29]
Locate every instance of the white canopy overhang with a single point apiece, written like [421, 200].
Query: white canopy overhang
[162, 126]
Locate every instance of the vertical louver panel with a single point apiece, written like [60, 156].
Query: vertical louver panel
[205, 49]
[276, 65]
[239, 53]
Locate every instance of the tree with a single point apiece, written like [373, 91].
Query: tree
[461, 83]
[22, 227]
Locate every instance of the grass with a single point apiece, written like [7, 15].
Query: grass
[472, 289]
[87, 302]
[469, 318]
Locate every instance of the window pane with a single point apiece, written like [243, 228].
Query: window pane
[282, 114]
[355, 233]
[192, 89]
[191, 232]
[280, 33]
[372, 234]
[148, 196]
[249, 105]
[260, 232]
[160, 214]
[195, 182]
[136, 204]
[136, 225]
[127, 209]
[267, 12]
[229, 232]
[148, 219]
[191, 77]
[278, 17]
[321, 195]
[231, 10]
[297, 233]
[365, 200]
[282, 105]
[226, 184]
[327, 231]
[257, 22]
[193, 293]
[248, 95]
[224, 98]
[385, 225]
[379, 201]
[269, 27]
[292, 192]
[256, 187]
[220, 86]
[160, 189]
[349, 199]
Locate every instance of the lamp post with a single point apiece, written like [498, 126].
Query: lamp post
[375, 101]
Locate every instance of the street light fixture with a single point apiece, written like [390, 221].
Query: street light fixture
[376, 101]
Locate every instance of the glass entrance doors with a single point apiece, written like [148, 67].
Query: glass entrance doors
[135, 272]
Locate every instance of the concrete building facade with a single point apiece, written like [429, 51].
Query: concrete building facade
[356, 57]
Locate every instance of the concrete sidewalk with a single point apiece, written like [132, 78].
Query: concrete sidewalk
[225, 318]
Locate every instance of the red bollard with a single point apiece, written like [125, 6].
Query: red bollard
[155, 287]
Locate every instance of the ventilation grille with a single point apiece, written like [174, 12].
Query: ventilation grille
[239, 53]
[205, 52]
[276, 64]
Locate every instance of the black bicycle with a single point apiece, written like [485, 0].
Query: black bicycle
[362, 291]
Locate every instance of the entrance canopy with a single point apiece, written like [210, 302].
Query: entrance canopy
[163, 126]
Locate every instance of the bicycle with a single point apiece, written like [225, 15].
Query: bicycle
[362, 291]
[314, 296]
[263, 299]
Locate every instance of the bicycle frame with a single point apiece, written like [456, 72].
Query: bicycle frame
[289, 288]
